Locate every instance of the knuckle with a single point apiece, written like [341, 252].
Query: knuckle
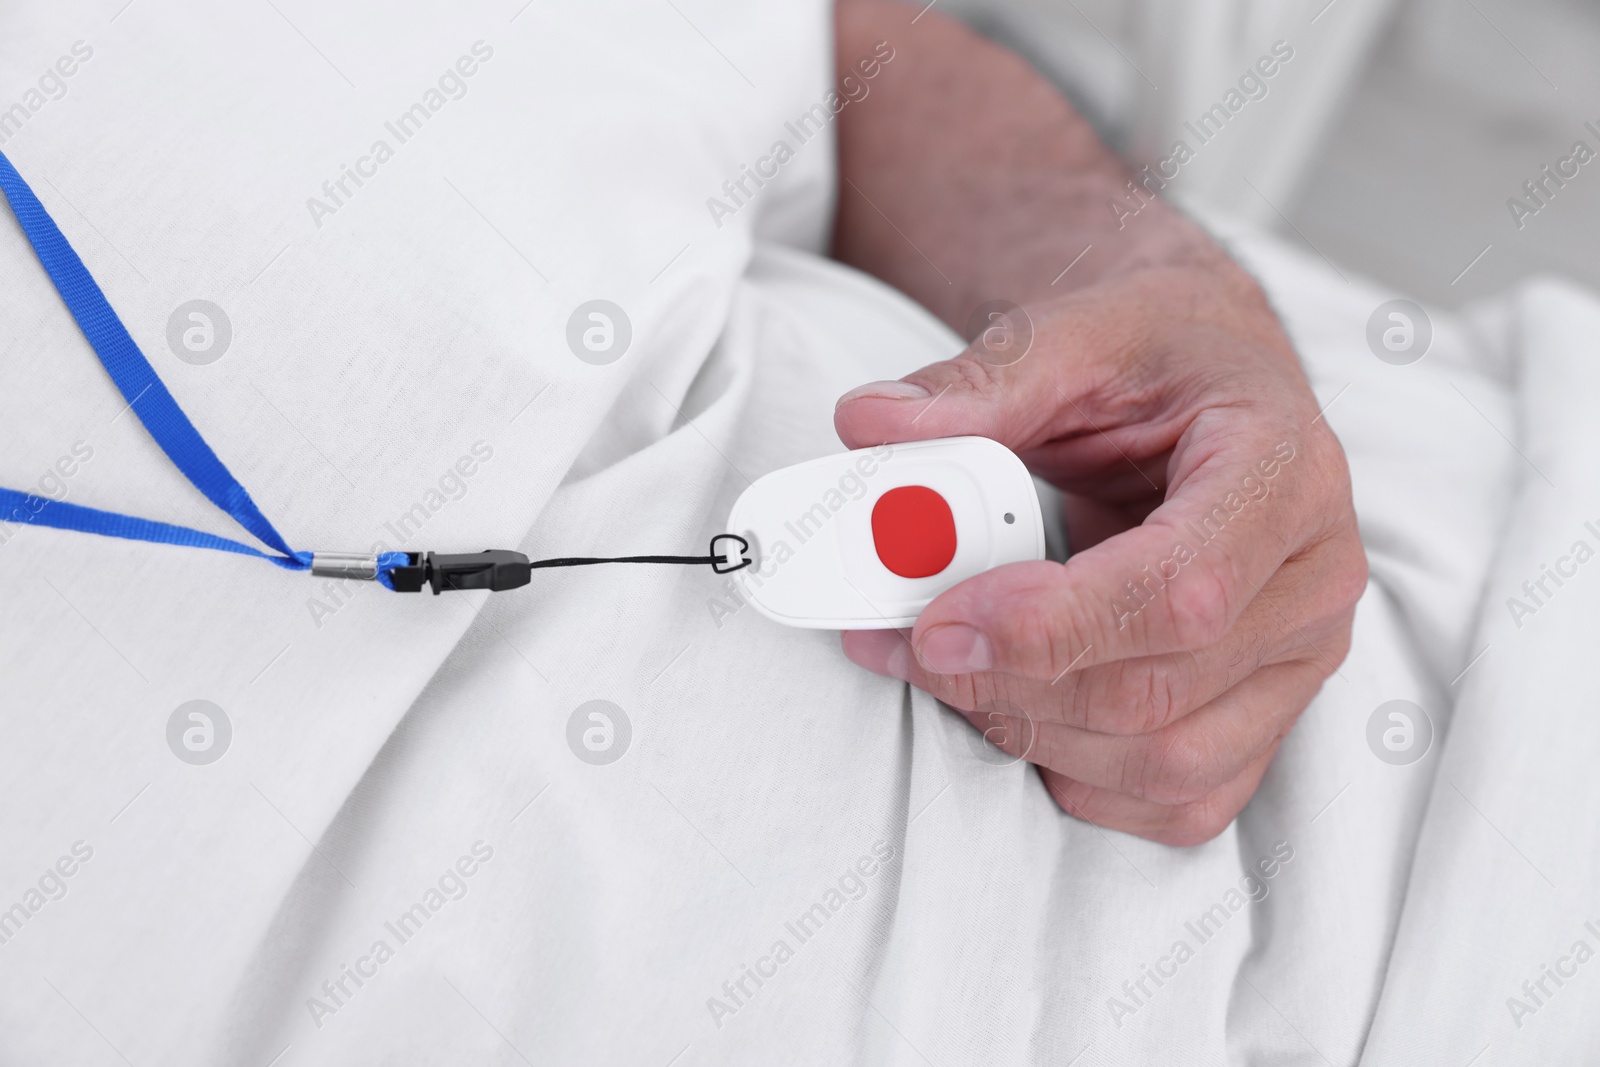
[1175, 770]
[1193, 824]
[1335, 652]
[1200, 607]
[1351, 575]
[974, 374]
[1076, 799]
[1166, 694]
[1250, 652]
[1011, 735]
[1342, 637]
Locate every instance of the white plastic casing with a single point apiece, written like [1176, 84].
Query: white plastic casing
[810, 530]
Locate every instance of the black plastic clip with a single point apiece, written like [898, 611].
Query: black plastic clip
[494, 569]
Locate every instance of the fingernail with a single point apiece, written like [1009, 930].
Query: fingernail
[884, 391]
[955, 648]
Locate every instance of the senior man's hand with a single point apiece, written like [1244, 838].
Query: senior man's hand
[1216, 559]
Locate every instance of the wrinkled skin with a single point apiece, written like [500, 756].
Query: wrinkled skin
[1159, 393]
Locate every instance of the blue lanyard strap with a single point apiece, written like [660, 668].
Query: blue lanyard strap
[42, 511]
[170, 427]
[146, 395]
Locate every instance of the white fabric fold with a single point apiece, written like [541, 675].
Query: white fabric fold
[792, 860]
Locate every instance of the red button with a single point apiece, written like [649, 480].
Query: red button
[914, 531]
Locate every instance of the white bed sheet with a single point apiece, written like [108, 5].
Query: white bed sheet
[613, 911]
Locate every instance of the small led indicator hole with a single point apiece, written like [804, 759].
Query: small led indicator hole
[1010, 518]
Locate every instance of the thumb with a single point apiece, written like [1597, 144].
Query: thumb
[1021, 388]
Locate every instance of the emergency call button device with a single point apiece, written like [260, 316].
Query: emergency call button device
[865, 540]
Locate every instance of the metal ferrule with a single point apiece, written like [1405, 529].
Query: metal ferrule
[362, 566]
